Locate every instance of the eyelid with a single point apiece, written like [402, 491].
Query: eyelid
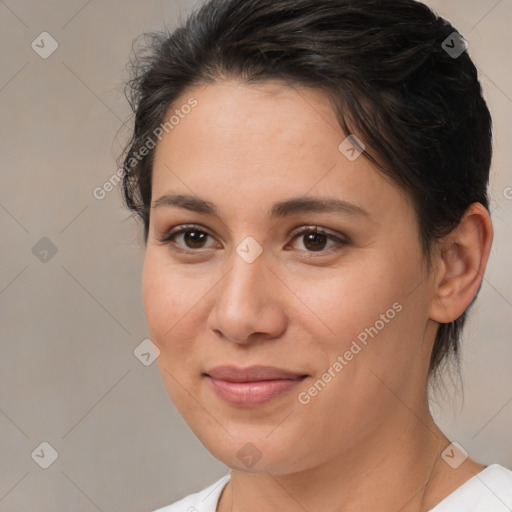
[166, 237]
[317, 229]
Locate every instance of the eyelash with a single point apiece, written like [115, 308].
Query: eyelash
[167, 238]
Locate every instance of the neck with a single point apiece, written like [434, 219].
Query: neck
[393, 469]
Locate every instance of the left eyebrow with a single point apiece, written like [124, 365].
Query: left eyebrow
[306, 204]
[316, 205]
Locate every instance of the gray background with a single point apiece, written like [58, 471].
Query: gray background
[69, 326]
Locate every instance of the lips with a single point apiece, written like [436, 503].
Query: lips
[252, 386]
[252, 373]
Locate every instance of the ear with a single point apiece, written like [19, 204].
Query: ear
[461, 262]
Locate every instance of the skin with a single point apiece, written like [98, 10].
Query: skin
[367, 441]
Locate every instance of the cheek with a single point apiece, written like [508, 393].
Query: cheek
[346, 301]
[367, 311]
[164, 298]
[153, 298]
[168, 317]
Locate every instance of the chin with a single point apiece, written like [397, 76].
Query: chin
[256, 453]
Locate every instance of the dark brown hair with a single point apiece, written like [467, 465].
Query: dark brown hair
[383, 64]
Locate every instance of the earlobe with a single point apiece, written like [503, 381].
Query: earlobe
[463, 256]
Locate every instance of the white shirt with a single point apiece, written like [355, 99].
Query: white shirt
[487, 491]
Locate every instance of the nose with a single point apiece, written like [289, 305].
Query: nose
[249, 302]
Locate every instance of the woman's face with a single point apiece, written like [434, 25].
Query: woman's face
[349, 309]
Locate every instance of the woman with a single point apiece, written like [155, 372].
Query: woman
[312, 180]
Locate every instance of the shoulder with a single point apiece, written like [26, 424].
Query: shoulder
[202, 501]
[487, 491]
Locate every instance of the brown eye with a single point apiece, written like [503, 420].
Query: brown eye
[315, 240]
[192, 237]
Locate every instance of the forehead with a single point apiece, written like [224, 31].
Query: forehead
[263, 141]
[235, 122]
